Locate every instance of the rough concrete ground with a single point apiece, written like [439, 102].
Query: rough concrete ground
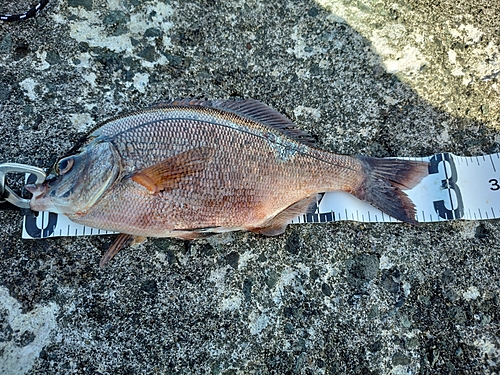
[401, 78]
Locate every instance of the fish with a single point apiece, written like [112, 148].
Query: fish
[188, 168]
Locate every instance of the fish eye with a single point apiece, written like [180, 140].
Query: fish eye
[64, 165]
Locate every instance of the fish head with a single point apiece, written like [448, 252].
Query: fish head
[77, 181]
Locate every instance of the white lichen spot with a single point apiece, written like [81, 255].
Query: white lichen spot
[302, 50]
[473, 34]
[406, 288]
[245, 257]
[81, 121]
[160, 257]
[90, 78]
[385, 263]
[386, 40]
[468, 229]
[43, 64]
[89, 28]
[487, 62]
[303, 73]
[307, 112]
[467, 80]
[29, 85]
[287, 277]
[409, 60]
[218, 277]
[471, 293]
[420, 38]
[488, 348]
[457, 72]
[161, 60]
[452, 56]
[36, 325]
[445, 134]
[389, 100]
[258, 322]
[467, 33]
[364, 132]
[231, 303]
[324, 63]
[401, 370]
[58, 18]
[141, 81]
[157, 15]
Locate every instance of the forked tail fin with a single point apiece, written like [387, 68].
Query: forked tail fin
[385, 179]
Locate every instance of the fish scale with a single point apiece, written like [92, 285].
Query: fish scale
[204, 193]
[190, 167]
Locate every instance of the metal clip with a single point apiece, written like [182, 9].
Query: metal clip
[6, 193]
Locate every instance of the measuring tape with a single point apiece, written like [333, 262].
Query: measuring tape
[457, 187]
[32, 12]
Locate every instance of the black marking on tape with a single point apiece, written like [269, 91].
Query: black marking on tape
[493, 164]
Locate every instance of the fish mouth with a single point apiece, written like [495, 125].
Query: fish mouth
[38, 191]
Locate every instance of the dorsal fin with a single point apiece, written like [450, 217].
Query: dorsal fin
[251, 109]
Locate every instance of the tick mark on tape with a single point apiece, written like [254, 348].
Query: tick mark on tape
[493, 164]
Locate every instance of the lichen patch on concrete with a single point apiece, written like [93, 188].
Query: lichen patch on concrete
[24, 335]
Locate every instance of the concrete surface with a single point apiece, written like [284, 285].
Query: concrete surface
[400, 78]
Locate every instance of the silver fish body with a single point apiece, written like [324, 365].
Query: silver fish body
[192, 167]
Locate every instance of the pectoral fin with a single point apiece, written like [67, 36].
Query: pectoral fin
[166, 174]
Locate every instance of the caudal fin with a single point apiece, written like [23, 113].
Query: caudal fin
[384, 182]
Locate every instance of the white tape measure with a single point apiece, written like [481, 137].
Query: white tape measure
[457, 187]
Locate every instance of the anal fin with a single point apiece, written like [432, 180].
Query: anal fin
[278, 223]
